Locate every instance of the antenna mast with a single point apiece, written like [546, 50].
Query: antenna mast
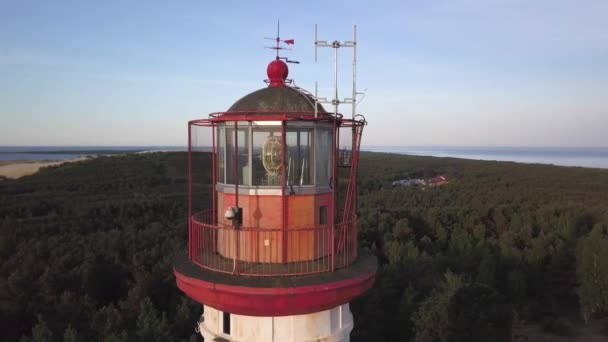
[336, 45]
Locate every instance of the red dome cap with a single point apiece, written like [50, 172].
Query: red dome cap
[277, 73]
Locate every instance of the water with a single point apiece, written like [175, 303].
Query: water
[565, 156]
[20, 153]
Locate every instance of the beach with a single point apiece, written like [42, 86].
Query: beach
[17, 169]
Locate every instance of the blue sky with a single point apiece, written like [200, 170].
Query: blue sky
[461, 73]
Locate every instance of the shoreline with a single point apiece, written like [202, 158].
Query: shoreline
[15, 169]
[582, 162]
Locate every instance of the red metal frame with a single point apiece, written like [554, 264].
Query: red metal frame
[350, 205]
[283, 197]
[235, 179]
[334, 185]
[190, 238]
[213, 175]
[269, 115]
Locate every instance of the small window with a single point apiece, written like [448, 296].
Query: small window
[323, 214]
[226, 323]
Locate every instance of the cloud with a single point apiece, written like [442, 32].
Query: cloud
[540, 26]
[161, 79]
[25, 57]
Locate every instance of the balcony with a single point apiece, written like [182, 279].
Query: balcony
[271, 252]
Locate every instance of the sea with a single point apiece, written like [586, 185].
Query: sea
[54, 153]
[594, 157]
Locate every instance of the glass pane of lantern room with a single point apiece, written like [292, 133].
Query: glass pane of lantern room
[220, 157]
[237, 156]
[299, 156]
[267, 153]
[199, 160]
[323, 156]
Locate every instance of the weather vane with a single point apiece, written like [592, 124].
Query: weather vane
[278, 46]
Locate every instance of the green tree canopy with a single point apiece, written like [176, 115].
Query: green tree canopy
[592, 272]
[431, 320]
[477, 313]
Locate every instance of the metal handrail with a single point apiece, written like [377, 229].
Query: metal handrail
[260, 250]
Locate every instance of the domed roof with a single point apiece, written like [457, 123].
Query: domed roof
[278, 96]
[283, 98]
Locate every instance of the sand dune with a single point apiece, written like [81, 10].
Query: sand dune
[16, 169]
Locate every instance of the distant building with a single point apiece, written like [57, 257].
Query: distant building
[437, 181]
[409, 182]
[415, 182]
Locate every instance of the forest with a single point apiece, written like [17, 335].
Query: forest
[86, 250]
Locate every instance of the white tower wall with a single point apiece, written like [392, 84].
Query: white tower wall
[332, 325]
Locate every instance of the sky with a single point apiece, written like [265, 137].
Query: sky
[435, 73]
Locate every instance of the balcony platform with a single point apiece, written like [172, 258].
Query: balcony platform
[217, 263]
[275, 295]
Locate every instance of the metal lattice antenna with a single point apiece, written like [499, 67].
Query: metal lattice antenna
[336, 45]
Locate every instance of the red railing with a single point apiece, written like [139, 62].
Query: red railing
[269, 252]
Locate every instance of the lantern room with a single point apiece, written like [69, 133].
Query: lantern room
[279, 198]
[272, 225]
[272, 214]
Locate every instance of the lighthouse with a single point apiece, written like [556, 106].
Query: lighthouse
[272, 226]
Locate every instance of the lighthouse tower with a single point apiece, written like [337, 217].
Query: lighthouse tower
[272, 244]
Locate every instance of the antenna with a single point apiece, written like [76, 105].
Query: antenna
[336, 45]
[278, 46]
